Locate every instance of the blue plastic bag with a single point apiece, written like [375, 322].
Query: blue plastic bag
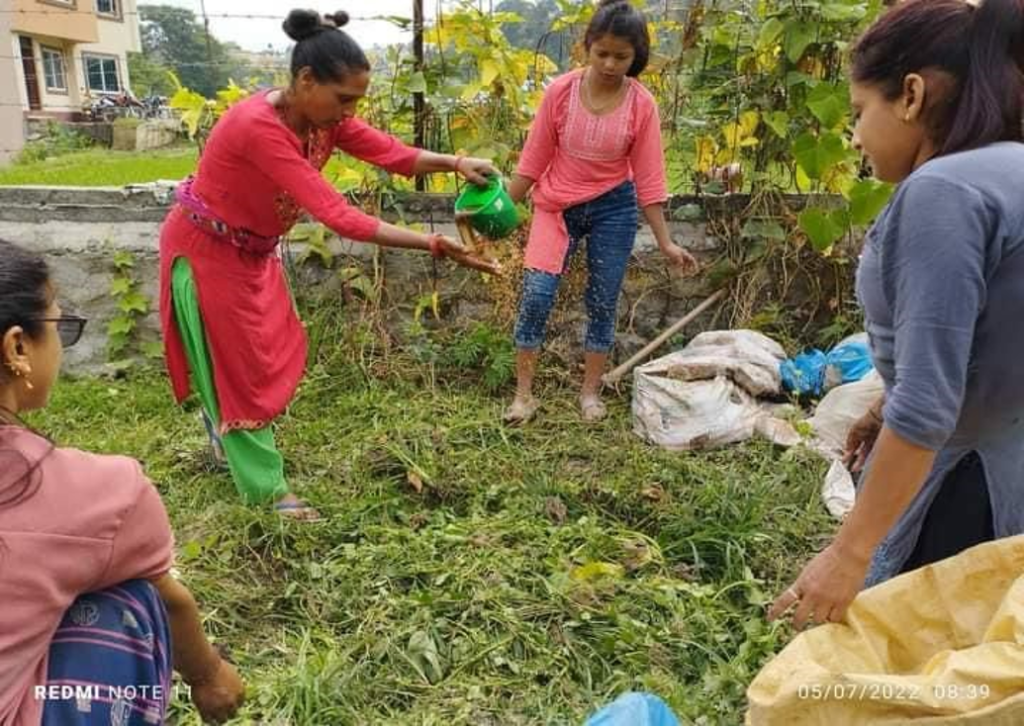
[849, 361]
[805, 372]
[813, 372]
[635, 708]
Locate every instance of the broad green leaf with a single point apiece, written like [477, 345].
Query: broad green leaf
[122, 325]
[867, 198]
[817, 154]
[117, 343]
[153, 350]
[819, 226]
[830, 103]
[134, 302]
[837, 12]
[470, 91]
[778, 122]
[418, 83]
[488, 72]
[770, 32]
[764, 228]
[120, 286]
[796, 78]
[799, 34]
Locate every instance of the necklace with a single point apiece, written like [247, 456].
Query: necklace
[589, 97]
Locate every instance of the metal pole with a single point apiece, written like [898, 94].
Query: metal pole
[419, 105]
[209, 46]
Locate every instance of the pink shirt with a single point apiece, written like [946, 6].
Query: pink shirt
[91, 522]
[256, 174]
[576, 156]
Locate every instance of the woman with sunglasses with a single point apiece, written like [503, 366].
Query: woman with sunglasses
[85, 553]
[230, 328]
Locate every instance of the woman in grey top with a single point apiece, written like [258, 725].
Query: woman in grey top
[937, 95]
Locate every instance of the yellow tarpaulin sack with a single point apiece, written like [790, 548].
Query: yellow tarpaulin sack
[942, 645]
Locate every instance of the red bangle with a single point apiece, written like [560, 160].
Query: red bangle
[436, 249]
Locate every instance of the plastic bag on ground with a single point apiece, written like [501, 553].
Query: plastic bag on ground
[840, 408]
[849, 361]
[635, 708]
[941, 645]
[705, 394]
[748, 358]
[804, 373]
[838, 491]
[815, 372]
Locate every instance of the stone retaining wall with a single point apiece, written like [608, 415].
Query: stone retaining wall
[80, 229]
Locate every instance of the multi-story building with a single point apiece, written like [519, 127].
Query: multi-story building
[64, 52]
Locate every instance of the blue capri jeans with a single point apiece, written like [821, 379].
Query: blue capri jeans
[609, 223]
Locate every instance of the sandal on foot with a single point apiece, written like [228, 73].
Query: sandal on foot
[298, 510]
[216, 441]
[521, 411]
[593, 409]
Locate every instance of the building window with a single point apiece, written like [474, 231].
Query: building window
[101, 74]
[110, 8]
[53, 69]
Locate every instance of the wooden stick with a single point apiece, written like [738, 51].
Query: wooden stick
[618, 373]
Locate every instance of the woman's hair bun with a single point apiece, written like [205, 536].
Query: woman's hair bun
[302, 24]
[340, 18]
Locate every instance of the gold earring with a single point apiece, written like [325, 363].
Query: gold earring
[19, 373]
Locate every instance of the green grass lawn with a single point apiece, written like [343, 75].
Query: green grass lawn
[106, 168]
[103, 167]
[536, 574]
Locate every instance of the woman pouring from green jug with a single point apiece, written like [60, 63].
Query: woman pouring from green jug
[230, 327]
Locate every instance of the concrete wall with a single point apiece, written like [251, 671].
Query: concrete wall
[54, 101]
[74, 20]
[117, 37]
[81, 229]
[12, 124]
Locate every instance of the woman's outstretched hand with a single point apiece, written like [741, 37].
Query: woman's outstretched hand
[457, 252]
[476, 171]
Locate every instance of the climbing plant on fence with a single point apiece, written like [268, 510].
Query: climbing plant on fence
[755, 85]
[774, 77]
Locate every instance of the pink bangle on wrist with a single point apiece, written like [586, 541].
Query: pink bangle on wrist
[436, 248]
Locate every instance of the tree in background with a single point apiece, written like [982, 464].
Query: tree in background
[149, 76]
[538, 17]
[175, 39]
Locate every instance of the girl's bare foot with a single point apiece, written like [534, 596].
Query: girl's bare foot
[592, 408]
[522, 410]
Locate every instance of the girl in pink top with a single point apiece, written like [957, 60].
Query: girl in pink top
[594, 152]
[89, 607]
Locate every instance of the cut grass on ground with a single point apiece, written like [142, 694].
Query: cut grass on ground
[468, 573]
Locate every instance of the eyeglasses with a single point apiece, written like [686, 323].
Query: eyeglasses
[69, 328]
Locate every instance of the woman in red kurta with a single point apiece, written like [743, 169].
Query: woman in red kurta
[226, 311]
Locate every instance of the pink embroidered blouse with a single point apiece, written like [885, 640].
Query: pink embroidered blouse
[575, 156]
